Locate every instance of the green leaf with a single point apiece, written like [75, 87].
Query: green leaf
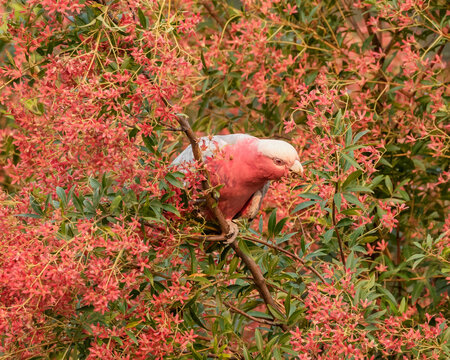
[94, 184]
[344, 222]
[376, 315]
[246, 353]
[34, 216]
[353, 147]
[418, 259]
[132, 337]
[351, 178]
[402, 306]
[310, 196]
[388, 60]
[171, 179]
[170, 208]
[337, 123]
[35, 206]
[304, 205]
[287, 303]
[328, 234]
[351, 161]
[279, 226]
[142, 19]
[272, 222]
[388, 294]
[357, 188]
[359, 136]
[348, 137]
[276, 313]
[388, 182]
[259, 341]
[62, 195]
[116, 202]
[337, 200]
[195, 354]
[353, 200]
[417, 291]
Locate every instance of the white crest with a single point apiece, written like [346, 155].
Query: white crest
[278, 149]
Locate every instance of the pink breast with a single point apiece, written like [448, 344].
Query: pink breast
[234, 167]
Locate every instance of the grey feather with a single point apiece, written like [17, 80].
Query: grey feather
[212, 145]
[255, 202]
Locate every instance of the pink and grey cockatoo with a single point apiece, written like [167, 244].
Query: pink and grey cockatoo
[244, 165]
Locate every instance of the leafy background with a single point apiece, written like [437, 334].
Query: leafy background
[101, 255]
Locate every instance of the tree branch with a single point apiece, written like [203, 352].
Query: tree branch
[253, 318]
[259, 280]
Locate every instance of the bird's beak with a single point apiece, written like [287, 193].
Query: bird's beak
[297, 167]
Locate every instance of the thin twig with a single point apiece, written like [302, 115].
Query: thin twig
[213, 14]
[243, 313]
[290, 254]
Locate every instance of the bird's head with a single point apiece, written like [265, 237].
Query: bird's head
[277, 158]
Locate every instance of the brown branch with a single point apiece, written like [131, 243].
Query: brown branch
[375, 41]
[213, 14]
[253, 318]
[210, 202]
[259, 280]
[219, 238]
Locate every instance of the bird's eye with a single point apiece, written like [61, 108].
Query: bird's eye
[278, 162]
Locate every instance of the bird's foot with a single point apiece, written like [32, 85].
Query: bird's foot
[233, 233]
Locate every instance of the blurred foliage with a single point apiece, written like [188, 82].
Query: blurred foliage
[360, 89]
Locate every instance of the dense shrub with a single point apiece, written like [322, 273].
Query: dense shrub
[100, 255]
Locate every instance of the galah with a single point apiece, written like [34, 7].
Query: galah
[244, 165]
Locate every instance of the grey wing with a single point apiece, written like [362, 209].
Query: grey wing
[209, 146]
[253, 206]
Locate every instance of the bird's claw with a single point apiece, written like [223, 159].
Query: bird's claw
[233, 233]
